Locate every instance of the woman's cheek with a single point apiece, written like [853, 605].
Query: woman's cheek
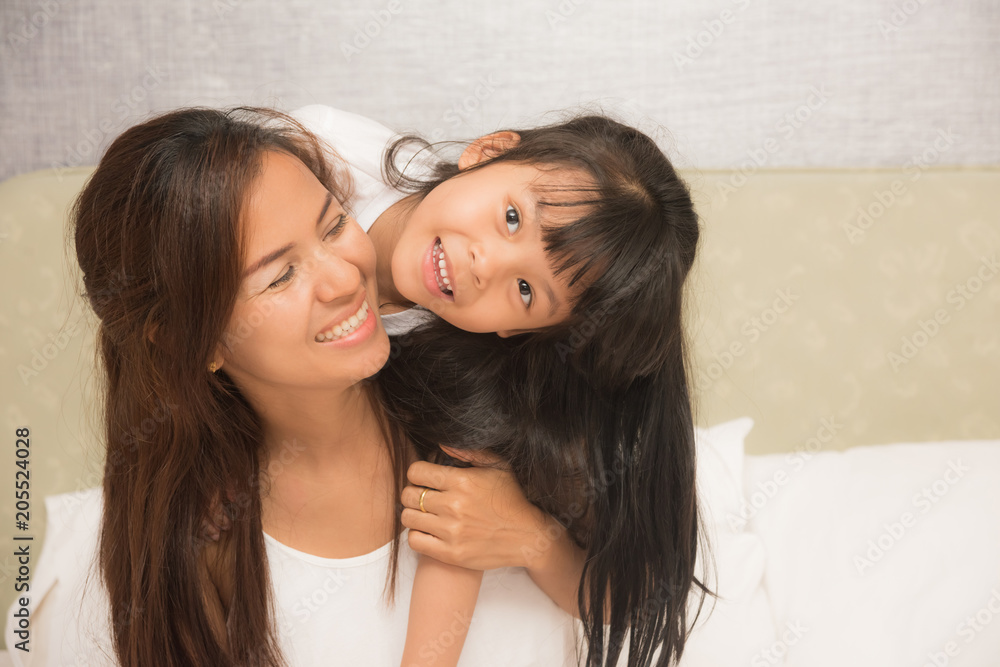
[260, 325]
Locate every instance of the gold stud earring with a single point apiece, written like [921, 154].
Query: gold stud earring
[212, 367]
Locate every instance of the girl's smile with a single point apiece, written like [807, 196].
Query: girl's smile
[472, 251]
[439, 273]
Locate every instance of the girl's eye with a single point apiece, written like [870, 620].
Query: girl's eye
[525, 289]
[513, 220]
[284, 278]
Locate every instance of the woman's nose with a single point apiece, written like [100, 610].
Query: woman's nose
[335, 277]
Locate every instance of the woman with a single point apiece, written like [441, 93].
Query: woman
[258, 406]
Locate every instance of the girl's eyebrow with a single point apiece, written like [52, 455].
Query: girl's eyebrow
[532, 199]
[553, 302]
[276, 254]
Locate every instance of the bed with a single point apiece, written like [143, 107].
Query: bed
[879, 555]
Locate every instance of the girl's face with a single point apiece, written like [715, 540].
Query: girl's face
[472, 252]
[307, 312]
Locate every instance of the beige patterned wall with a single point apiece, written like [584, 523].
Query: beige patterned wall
[850, 308]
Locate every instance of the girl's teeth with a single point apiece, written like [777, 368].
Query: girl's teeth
[346, 327]
[442, 273]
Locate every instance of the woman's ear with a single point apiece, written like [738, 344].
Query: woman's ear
[215, 363]
[487, 147]
[507, 333]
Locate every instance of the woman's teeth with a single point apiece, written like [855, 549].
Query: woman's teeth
[440, 272]
[347, 327]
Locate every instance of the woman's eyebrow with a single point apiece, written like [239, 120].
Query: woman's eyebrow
[271, 256]
[267, 259]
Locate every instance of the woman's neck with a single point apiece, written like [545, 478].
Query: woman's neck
[319, 433]
[385, 233]
[329, 482]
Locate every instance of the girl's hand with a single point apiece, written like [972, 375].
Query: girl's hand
[477, 518]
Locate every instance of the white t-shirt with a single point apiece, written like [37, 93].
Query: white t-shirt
[361, 143]
[329, 611]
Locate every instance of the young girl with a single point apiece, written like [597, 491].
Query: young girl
[571, 243]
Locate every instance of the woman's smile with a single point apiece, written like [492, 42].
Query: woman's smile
[353, 329]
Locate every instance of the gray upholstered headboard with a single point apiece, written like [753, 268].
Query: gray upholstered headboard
[831, 84]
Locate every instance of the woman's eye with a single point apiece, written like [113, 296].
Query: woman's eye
[525, 289]
[513, 219]
[284, 278]
[339, 227]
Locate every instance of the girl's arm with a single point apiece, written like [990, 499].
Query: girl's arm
[487, 523]
[443, 599]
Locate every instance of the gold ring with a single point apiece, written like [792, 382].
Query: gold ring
[422, 494]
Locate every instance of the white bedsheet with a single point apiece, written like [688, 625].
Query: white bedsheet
[879, 556]
[884, 555]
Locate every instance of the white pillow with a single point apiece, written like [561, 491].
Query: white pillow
[719, 454]
[737, 628]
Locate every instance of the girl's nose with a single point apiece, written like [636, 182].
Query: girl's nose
[489, 261]
[479, 268]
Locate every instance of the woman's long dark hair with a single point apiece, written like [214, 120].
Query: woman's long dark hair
[157, 236]
[593, 415]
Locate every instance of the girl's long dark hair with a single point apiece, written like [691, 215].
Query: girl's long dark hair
[593, 415]
[157, 236]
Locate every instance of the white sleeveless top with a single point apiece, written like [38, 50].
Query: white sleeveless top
[361, 142]
[329, 611]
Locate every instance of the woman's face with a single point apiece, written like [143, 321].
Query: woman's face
[306, 314]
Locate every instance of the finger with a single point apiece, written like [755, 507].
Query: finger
[480, 458]
[425, 473]
[428, 545]
[410, 497]
[210, 532]
[417, 520]
[221, 519]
